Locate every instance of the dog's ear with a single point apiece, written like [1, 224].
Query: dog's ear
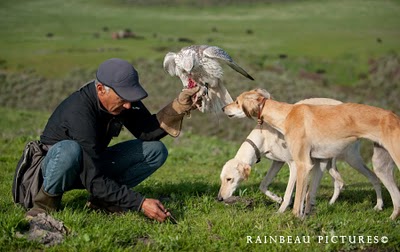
[246, 112]
[244, 170]
[250, 104]
[263, 93]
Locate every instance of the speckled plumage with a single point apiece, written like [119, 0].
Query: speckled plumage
[201, 64]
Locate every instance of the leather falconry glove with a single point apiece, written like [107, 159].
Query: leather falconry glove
[171, 116]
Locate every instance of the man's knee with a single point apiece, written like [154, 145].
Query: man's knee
[72, 149]
[66, 155]
[61, 167]
[157, 153]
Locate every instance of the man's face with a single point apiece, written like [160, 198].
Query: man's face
[111, 101]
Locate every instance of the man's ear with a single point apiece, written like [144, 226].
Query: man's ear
[244, 170]
[100, 88]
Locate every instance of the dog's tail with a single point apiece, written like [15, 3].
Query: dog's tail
[390, 138]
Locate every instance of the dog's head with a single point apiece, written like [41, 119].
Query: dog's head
[232, 174]
[247, 104]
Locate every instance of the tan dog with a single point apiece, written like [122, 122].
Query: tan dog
[267, 142]
[323, 131]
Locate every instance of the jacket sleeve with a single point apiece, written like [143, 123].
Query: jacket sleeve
[141, 123]
[107, 189]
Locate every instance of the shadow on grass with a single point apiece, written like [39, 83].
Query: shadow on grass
[183, 188]
[186, 196]
[171, 193]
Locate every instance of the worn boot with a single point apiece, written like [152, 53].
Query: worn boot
[44, 203]
[171, 116]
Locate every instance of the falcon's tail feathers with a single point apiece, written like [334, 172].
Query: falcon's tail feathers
[217, 98]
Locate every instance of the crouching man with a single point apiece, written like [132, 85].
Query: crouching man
[80, 129]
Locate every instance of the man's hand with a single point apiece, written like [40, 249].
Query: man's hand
[153, 209]
[190, 97]
[170, 117]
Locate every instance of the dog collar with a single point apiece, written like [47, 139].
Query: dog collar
[256, 150]
[260, 108]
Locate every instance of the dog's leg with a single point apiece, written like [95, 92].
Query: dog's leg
[337, 181]
[383, 167]
[353, 158]
[275, 168]
[289, 188]
[316, 175]
[300, 151]
[301, 155]
[303, 171]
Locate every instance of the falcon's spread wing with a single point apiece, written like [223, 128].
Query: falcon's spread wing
[200, 65]
[215, 52]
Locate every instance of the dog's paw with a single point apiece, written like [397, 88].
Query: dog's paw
[378, 207]
[273, 197]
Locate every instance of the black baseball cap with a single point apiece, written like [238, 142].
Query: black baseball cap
[122, 77]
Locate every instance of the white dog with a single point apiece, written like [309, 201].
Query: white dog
[323, 131]
[268, 142]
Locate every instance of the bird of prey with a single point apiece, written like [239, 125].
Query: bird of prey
[200, 65]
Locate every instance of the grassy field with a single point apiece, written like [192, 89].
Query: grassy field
[348, 50]
[188, 184]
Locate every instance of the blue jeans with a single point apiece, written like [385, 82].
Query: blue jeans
[127, 163]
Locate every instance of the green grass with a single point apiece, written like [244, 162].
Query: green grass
[188, 184]
[339, 37]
